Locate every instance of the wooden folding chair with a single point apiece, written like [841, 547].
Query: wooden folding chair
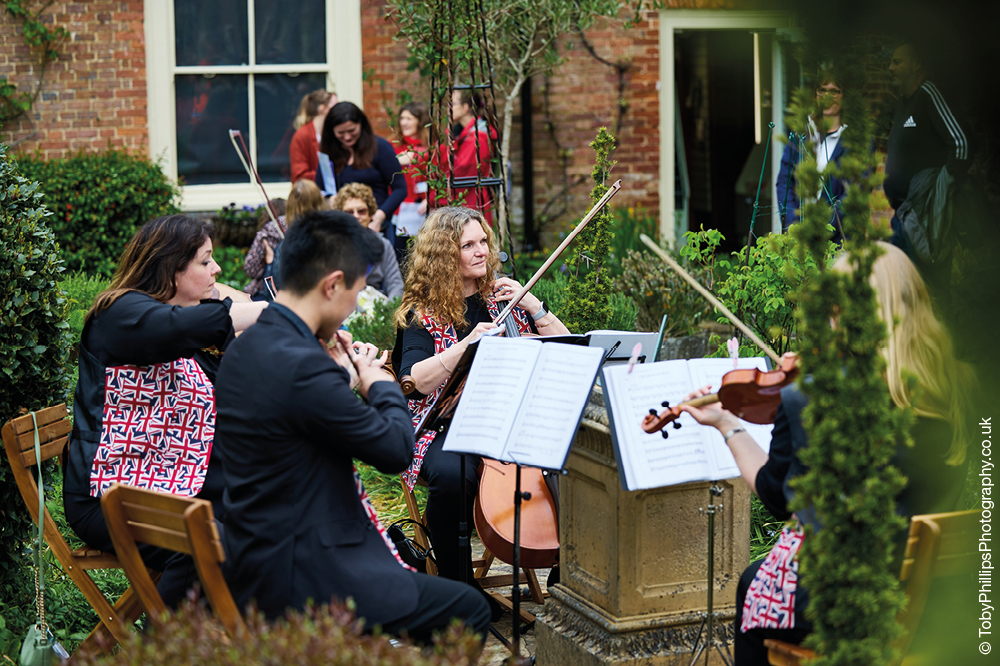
[182, 524]
[480, 566]
[53, 435]
[939, 545]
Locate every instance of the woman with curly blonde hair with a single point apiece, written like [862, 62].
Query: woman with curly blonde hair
[452, 296]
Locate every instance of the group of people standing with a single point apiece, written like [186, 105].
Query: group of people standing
[267, 425]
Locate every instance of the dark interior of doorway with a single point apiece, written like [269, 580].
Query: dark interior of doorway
[715, 78]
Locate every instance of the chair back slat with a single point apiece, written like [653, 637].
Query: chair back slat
[140, 514]
[24, 425]
[160, 537]
[50, 450]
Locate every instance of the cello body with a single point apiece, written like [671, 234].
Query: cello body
[494, 515]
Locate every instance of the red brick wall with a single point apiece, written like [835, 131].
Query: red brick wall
[95, 94]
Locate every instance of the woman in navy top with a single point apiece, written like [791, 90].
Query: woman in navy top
[358, 156]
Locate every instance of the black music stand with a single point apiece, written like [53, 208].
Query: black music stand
[438, 418]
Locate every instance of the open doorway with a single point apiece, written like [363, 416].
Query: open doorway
[722, 83]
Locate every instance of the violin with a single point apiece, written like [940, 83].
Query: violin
[749, 393]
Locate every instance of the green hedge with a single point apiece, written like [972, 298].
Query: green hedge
[34, 347]
[98, 201]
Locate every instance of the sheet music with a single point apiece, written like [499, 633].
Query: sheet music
[497, 381]
[648, 460]
[691, 453]
[546, 423]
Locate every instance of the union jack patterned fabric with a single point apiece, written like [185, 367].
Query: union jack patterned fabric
[372, 516]
[157, 429]
[770, 601]
[444, 336]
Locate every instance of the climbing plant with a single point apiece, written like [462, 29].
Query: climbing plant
[43, 42]
[853, 427]
[588, 298]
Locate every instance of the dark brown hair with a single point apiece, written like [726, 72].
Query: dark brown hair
[159, 250]
[364, 149]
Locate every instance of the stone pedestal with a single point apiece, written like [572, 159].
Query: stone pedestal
[634, 564]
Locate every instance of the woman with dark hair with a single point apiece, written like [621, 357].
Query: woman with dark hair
[144, 413]
[303, 152]
[356, 155]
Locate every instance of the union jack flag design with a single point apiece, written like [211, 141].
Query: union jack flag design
[770, 601]
[157, 429]
[444, 336]
[373, 516]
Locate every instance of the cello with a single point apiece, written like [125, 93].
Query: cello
[493, 512]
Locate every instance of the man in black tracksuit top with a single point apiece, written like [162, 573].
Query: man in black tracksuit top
[925, 133]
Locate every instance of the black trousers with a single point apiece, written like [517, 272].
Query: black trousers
[442, 471]
[748, 648]
[439, 601]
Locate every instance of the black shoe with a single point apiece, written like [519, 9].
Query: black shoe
[496, 610]
[553, 578]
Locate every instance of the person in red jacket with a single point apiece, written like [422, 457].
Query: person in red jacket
[303, 153]
[472, 138]
[413, 150]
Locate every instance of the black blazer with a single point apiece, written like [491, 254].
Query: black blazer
[288, 425]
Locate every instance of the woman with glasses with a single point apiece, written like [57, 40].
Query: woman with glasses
[825, 131]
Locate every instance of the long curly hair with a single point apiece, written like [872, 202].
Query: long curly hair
[918, 345]
[433, 279]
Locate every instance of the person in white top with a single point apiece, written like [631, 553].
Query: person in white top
[825, 131]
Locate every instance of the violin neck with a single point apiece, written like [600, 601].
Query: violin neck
[702, 401]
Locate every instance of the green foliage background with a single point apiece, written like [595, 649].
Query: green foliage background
[98, 200]
[34, 346]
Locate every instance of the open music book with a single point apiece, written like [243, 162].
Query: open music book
[523, 400]
[691, 453]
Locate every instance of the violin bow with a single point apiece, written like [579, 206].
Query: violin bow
[244, 156]
[709, 296]
[612, 191]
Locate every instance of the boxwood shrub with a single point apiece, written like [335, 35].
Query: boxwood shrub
[98, 201]
[34, 345]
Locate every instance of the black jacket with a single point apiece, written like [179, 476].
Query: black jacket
[288, 426]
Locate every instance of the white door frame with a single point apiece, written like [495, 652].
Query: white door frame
[672, 20]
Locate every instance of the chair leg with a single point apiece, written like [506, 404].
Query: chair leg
[536, 590]
[482, 566]
[128, 609]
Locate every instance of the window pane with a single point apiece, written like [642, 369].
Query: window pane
[290, 32]
[278, 97]
[207, 108]
[211, 33]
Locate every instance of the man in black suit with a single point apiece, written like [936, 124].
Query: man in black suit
[288, 426]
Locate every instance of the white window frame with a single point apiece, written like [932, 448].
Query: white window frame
[344, 75]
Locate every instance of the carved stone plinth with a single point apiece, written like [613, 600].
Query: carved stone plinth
[634, 564]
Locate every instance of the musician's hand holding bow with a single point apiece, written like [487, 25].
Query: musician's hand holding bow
[505, 289]
[714, 414]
